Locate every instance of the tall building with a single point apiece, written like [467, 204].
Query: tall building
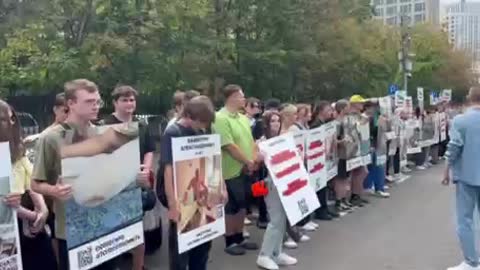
[413, 11]
[463, 26]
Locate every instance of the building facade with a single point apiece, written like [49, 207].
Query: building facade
[413, 11]
[463, 26]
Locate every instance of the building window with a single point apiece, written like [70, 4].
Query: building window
[378, 2]
[406, 9]
[391, 10]
[419, 18]
[391, 2]
[419, 7]
[379, 12]
[405, 1]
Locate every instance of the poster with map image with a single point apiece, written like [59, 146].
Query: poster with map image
[10, 255]
[198, 187]
[104, 217]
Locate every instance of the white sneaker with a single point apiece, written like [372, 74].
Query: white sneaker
[308, 227]
[304, 238]
[386, 187]
[382, 194]
[370, 191]
[406, 170]
[285, 260]
[246, 234]
[313, 224]
[463, 266]
[247, 222]
[389, 178]
[290, 244]
[421, 168]
[267, 263]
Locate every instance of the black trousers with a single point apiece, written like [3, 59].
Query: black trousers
[194, 259]
[395, 160]
[37, 252]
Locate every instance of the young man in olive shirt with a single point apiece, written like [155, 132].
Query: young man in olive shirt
[84, 102]
[238, 158]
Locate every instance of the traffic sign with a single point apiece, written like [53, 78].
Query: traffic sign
[392, 89]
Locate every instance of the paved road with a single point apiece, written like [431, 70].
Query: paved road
[413, 230]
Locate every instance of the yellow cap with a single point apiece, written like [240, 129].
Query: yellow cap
[357, 99]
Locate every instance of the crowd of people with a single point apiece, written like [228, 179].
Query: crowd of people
[242, 123]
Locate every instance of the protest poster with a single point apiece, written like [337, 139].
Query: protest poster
[316, 157]
[385, 104]
[413, 134]
[198, 187]
[290, 177]
[400, 97]
[436, 128]
[364, 131]
[420, 95]
[10, 254]
[447, 95]
[381, 149]
[299, 137]
[104, 217]
[443, 126]
[353, 142]
[331, 155]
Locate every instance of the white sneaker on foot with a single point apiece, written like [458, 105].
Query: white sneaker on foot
[421, 168]
[370, 191]
[247, 222]
[290, 244]
[246, 234]
[267, 263]
[313, 224]
[386, 187]
[308, 227]
[304, 238]
[463, 266]
[382, 194]
[284, 260]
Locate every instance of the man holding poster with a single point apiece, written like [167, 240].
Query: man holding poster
[78, 238]
[190, 204]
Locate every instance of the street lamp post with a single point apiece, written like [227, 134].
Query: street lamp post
[404, 56]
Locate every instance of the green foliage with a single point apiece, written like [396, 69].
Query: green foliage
[289, 49]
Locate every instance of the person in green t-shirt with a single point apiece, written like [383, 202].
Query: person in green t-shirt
[238, 159]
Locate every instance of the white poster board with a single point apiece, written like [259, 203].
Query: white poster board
[316, 157]
[290, 177]
[331, 154]
[198, 181]
[11, 257]
[443, 126]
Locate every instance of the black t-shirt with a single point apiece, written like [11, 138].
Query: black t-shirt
[147, 145]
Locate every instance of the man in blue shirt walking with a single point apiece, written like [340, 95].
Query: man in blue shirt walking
[463, 154]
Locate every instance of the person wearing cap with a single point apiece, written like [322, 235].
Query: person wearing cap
[359, 174]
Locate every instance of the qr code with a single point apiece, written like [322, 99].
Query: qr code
[303, 207]
[85, 257]
[220, 211]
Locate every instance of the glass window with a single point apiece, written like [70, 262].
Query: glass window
[419, 18]
[391, 10]
[378, 2]
[419, 7]
[379, 11]
[391, 1]
[406, 9]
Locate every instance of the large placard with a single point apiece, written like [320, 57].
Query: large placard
[290, 177]
[198, 189]
[104, 217]
[331, 154]
[316, 157]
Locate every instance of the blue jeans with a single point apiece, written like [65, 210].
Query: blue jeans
[376, 175]
[467, 197]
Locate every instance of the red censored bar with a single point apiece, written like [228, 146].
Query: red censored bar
[317, 167]
[315, 144]
[294, 187]
[314, 156]
[288, 170]
[282, 157]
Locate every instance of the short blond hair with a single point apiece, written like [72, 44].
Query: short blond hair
[72, 87]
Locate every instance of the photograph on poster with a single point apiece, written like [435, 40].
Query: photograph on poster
[199, 191]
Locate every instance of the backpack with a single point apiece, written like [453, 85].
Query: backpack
[161, 193]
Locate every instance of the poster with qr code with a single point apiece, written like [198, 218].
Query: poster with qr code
[104, 218]
[10, 257]
[290, 177]
[199, 189]
[316, 157]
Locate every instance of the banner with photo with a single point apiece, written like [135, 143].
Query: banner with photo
[381, 149]
[413, 136]
[316, 158]
[104, 217]
[385, 104]
[290, 177]
[443, 126]
[400, 97]
[300, 137]
[447, 95]
[10, 255]
[331, 154]
[353, 142]
[365, 145]
[199, 189]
